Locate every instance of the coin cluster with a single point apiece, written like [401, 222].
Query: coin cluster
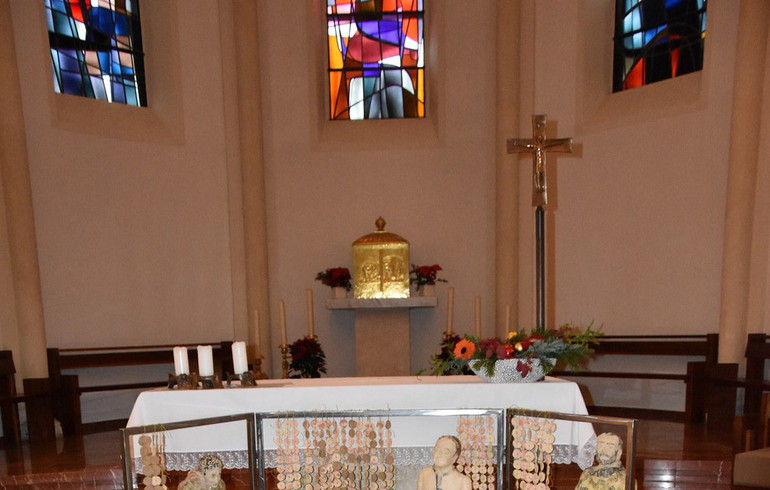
[153, 461]
[326, 453]
[532, 448]
[477, 459]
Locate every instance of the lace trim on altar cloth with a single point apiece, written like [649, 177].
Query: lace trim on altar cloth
[405, 456]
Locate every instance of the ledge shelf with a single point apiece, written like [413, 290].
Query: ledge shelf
[371, 303]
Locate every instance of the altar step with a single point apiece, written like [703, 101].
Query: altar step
[656, 474]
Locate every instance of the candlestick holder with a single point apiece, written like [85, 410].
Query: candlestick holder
[258, 369]
[210, 382]
[247, 379]
[285, 360]
[447, 335]
[182, 381]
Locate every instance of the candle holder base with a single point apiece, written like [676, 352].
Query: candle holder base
[247, 379]
[210, 382]
[182, 381]
[285, 360]
[258, 369]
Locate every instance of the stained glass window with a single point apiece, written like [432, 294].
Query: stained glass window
[376, 58]
[96, 49]
[656, 40]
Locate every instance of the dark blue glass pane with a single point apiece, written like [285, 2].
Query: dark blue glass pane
[69, 61]
[118, 93]
[71, 83]
[121, 25]
[101, 19]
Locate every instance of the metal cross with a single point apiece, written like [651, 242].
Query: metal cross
[539, 145]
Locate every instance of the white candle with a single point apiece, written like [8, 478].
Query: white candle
[477, 310]
[507, 319]
[450, 307]
[282, 320]
[257, 352]
[205, 361]
[181, 363]
[310, 322]
[240, 362]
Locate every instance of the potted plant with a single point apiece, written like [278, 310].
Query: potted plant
[425, 276]
[338, 279]
[307, 359]
[521, 356]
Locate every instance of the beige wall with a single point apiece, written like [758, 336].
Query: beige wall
[432, 180]
[138, 216]
[639, 208]
[132, 209]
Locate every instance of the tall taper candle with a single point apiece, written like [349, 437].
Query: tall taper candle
[205, 361]
[282, 320]
[507, 319]
[450, 310]
[310, 321]
[257, 352]
[181, 363]
[240, 364]
[477, 311]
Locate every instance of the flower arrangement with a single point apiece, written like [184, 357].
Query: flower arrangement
[307, 359]
[338, 277]
[425, 275]
[567, 344]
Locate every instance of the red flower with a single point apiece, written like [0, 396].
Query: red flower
[338, 277]
[425, 274]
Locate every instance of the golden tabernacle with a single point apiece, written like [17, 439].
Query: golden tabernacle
[381, 265]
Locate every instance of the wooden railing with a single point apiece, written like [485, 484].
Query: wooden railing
[68, 389]
[704, 393]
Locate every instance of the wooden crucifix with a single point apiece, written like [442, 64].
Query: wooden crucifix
[539, 145]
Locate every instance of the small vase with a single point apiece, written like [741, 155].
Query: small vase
[339, 293]
[428, 290]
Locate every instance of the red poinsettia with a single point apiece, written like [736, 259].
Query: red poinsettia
[425, 275]
[338, 277]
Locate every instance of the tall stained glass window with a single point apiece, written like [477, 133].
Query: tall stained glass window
[96, 49]
[376, 59]
[656, 40]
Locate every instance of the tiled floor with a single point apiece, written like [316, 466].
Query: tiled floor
[669, 455]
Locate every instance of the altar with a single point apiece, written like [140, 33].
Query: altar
[415, 435]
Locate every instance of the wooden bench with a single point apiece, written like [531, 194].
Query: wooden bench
[68, 390]
[751, 465]
[707, 383]
[37, 401]
[757, 353]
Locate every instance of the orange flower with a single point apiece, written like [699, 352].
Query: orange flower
[464, 349]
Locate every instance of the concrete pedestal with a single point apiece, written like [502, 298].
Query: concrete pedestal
[383, 343]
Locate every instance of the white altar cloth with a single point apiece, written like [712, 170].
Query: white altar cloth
[156, 407]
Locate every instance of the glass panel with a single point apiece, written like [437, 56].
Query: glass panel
[96, 49]
[376, 59]
[657, 40]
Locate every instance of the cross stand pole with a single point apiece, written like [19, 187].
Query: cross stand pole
[538, 146]
[540, 262]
